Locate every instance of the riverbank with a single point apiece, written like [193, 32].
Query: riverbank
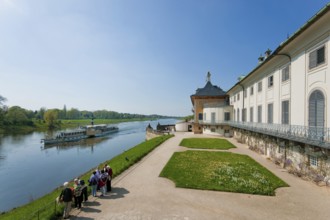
[41, 126]
[44, 206]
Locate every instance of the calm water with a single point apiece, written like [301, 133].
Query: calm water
[29, 171]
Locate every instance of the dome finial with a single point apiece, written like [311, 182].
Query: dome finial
[208, 77]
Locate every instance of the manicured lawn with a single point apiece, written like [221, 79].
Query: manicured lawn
[46, 205]
[222, 171]
[207, 143]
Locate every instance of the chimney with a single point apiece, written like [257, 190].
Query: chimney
[267, 53]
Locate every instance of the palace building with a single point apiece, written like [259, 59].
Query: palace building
[281, 108]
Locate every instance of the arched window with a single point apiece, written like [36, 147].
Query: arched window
[316, 116]
[316, 109]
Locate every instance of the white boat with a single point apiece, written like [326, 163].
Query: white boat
[88, 131]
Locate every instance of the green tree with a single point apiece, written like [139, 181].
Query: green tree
[50, 118]
[73, 113]
[40, 114]
[2, 110]
[16, 116]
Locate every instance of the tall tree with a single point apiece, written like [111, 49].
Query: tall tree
[2, 110]
[50, 118]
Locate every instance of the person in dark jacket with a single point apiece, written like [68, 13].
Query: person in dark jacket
[108, 169]
[66, 197]
[84, 190]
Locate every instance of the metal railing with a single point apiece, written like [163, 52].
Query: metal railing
[213, 122]
[318, 136]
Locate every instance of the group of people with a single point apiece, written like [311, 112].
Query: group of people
[99, 180]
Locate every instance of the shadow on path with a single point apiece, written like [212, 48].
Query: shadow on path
[116, 193]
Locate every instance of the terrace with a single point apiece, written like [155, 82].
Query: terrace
[317, 136]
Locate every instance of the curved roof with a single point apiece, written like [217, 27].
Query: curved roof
[209, 90]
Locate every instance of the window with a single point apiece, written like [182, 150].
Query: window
[270, 81]
[234, 98]
[200, 116]
[237, 96]
[313, 161]
[244, 114]
[270, 113]
[238, 114]
[285, 112]
[281, 149]
[259, 114]
[286, 73]
[317, 57]
[227, 116]
[212, 117]
[251, 114]
[234, 115]
[245, 93]
[204, 116]
[251, 90]
[260, 86]
[316, 113]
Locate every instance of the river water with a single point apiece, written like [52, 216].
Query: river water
[29, 171]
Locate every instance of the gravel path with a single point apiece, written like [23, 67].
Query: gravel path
[140, 194]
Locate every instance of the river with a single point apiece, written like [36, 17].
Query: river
[28, 170]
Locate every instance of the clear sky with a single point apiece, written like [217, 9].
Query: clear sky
[135, 56]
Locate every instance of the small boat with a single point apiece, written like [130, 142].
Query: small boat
[88, 131]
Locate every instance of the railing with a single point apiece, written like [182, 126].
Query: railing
[319, 136]
[213, 122]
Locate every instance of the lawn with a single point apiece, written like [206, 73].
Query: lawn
[207, 143]
[221, 171]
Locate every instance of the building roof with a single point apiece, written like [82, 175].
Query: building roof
[209, 90]
[309, 23]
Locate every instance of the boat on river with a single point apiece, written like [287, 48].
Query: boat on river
[88, 131]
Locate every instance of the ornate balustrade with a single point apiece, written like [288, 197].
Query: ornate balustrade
[318, 136]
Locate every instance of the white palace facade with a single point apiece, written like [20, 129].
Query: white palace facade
[281, 109]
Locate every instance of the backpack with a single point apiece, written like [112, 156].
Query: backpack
[77, 191]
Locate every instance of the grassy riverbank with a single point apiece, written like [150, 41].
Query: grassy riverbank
[46, 208]
[40, 125]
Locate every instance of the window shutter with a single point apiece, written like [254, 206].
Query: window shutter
[238, 119]
[285, 112]
[270, 113]
[259, 114]
[316, 109]
[320, 56]
[251, 114]
[312, 59]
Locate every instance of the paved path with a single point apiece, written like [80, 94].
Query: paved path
[140, 194]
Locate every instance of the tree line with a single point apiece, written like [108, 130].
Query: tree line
[16, 116]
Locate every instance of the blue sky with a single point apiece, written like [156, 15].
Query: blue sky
[135, 56]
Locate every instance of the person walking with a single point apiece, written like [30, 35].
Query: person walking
[93, 182]
[66, 197]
